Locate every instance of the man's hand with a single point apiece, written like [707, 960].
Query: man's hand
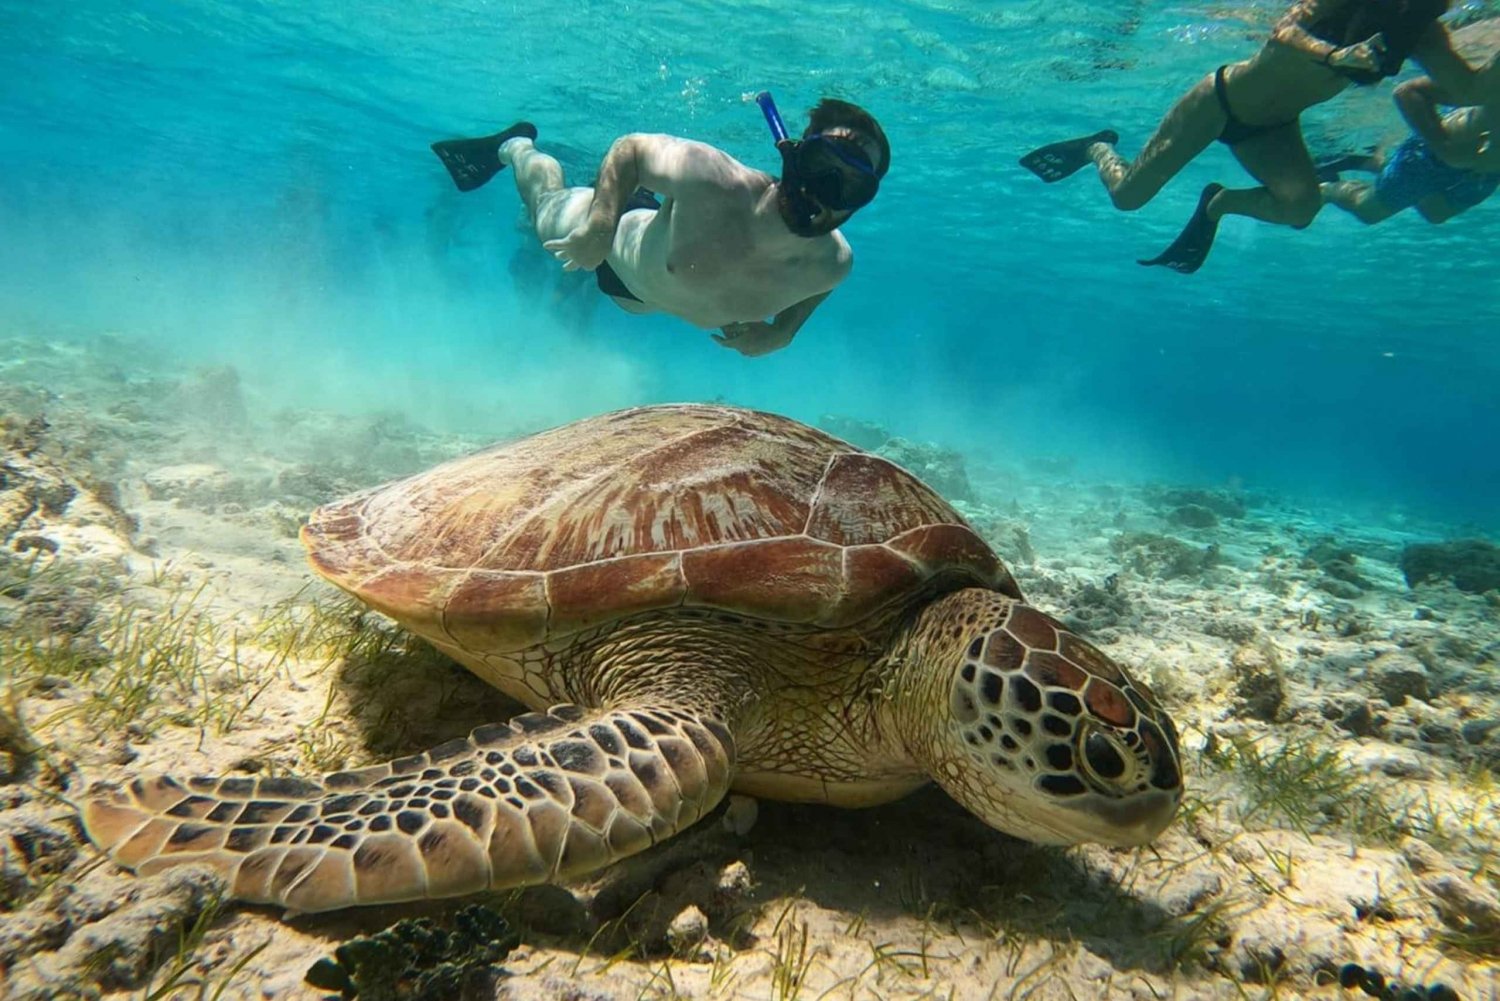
[1359, 56]
[754, 339]
[586, 247]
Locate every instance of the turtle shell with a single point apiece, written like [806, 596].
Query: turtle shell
[650, 508]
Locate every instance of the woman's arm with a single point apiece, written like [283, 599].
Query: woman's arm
[1293, 31]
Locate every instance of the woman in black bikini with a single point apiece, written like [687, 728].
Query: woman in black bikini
[1318, 48]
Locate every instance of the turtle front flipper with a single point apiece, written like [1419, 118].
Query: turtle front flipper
[547, 796]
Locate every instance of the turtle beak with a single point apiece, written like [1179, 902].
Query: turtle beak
[1137, 820]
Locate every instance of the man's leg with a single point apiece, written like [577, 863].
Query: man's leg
[555, 208]
[1279, 160]
[1439, 208]
[1358, 198]
[1194, 122]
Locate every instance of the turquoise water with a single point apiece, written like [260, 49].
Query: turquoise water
[250, 183]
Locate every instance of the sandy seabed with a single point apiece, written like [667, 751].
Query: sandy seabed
[1341, 727]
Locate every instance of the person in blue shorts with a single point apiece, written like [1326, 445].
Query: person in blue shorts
[1409, 176]
[1450, 163]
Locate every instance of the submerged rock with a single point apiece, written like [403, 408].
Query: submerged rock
[1193, 516]
[1351, 712]
[687, 931]
[941, 468]
[1094, 607]
[194, 484]
[1337, 588]
[32, 848]
[856, 431]
[1341, 576]
[105, 933]
[1471, 565]
[1162, 556]
[213, 397]
[1216, 502]
[1477, 731]
[416, 960]
[1398, 676]
[1259, 683]
[48, 507]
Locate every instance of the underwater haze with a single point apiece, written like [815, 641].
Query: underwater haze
[249, 183]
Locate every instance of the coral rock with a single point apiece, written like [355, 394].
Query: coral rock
[1469, 564]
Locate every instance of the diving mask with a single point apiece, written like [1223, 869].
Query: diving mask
[834, 171]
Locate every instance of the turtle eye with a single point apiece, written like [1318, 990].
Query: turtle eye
[1106, 760]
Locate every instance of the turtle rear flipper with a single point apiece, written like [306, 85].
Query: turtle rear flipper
[544, 797]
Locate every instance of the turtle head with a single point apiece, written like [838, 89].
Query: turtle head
[1046, 738]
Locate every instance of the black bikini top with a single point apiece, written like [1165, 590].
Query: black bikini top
[1400, 22]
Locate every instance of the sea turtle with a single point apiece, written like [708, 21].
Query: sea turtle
[707, 598]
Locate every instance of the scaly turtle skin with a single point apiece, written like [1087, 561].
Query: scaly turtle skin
[708, 599]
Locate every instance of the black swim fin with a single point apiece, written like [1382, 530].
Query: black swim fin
[1188, 252]
[1330, 168]
[471, 162]
[1063, 159]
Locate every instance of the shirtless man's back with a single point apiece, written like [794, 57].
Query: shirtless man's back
[726, 246]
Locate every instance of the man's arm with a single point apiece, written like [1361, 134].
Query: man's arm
[1459, 139]
[1418, 101]
[754, 339]
[1453, 80]
[664, 164]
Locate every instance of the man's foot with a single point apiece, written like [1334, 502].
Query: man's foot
[1063, 159]
[471, 162]
[1188, 252]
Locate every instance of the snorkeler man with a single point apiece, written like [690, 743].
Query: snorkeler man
[727, 245]
[1318, 48]
[1415, 174]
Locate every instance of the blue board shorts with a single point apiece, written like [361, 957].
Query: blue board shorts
[1412, 172]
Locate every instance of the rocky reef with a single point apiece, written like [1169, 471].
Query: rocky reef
[1471, 565]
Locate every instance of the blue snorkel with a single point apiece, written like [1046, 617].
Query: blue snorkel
[803, 208]
[773, 117]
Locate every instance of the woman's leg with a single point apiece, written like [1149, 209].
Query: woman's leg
[1279, 160]
[1194, 122]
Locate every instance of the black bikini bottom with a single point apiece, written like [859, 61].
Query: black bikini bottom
[1236, 131]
